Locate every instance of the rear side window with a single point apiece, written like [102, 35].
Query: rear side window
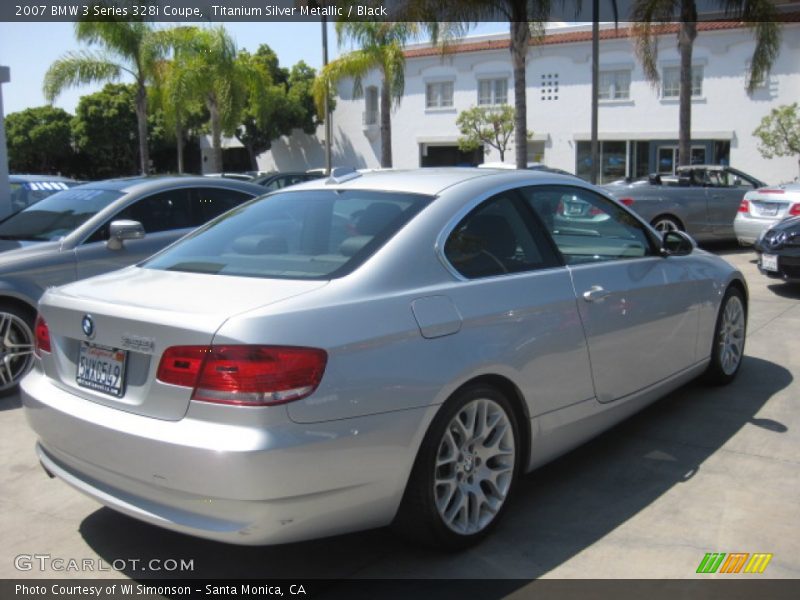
[294, 235]
[587, 227]
[498, 238]
[208, 203]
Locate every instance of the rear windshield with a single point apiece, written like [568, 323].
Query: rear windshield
[55, 216]
[294, 235]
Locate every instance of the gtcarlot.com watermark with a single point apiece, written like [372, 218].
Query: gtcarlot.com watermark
[48, 563]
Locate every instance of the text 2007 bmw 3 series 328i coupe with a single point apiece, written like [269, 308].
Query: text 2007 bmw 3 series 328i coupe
[392, 347]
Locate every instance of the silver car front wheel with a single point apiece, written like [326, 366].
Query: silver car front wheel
[16, 347]
[465, 470]
[729, 338]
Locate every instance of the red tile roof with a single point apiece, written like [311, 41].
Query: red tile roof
[585, 36]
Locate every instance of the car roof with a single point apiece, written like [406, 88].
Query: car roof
[429, 181]
[157, 182]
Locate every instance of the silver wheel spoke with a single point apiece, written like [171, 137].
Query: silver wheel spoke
[16, 349]
[731, 335]
[474, 466]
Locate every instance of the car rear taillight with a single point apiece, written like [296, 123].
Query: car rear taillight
[795, 209]
[744, 206]
[771, 191]
[626, 201]
[42, 336]
[244, 375]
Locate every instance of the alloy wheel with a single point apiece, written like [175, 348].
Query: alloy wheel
[474, 468]
[16, 350]
[731, 335]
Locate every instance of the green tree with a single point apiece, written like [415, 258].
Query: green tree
[650, 15]
[380, 47]
[483, 126]
[176, 90]
[39, 140]
[125, 47]
[451, 20]
[105, 129]
[275, 110]
[779, 133]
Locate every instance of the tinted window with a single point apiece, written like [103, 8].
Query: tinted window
[57, 215]
[587, 227]
[160, 212]
[496, 238]
[294, 235]
[209, 203]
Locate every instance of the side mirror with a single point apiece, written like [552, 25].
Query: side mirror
[119, 231]
[676, 243]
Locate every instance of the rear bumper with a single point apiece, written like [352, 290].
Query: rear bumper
[748, 230]
[240, 484]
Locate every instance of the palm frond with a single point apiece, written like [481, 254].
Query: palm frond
[79, 68]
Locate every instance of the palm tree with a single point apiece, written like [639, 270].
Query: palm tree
[526, 20]
[212, 72]
[380, 47]
[175, 90]
[651, 14]
[125, 47]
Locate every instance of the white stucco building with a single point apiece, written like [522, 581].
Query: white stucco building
[638, 124]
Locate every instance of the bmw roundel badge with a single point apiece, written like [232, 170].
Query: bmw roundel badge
[87, 324]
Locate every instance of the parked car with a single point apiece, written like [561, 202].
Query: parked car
[532, 166]
[29, 189]
[276, 181]
[779, 250]
[257, 387]
[762, 208]
[91, 229]
[247, 176]
[701, 200]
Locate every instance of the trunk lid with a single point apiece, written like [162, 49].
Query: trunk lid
[137, 313]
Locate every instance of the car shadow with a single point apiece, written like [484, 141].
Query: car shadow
[726, 248]
[557, 512]
[785, 290]
[10, 402]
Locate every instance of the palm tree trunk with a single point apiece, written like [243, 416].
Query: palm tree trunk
[251, 153]
[686, 37]
[386, 123]
[141, 119]
[179, 140]
[520, 38]
[216, 137]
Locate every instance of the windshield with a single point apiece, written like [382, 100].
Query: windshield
[294, 235]
[55, 216]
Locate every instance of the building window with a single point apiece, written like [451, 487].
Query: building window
[439, 95]
[615, 85]
[671, 83]
[549, 86]
[371, 105]
[613, 161]
[492, 91]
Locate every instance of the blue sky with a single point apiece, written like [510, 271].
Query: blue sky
[29, 49]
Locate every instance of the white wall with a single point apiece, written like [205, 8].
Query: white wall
[5, 188]
[726, 110]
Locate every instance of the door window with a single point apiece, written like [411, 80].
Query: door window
[497, 238]
[587, 227]
[209, 203]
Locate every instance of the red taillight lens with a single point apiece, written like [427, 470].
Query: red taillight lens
[795, 210]
[594, 211]
[244, 375]
[626, 201]
[769, 191]
[744, 206]
[42, 335]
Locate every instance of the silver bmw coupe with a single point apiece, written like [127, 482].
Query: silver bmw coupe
[391, 347]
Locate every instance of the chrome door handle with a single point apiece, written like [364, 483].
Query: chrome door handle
[595, 293]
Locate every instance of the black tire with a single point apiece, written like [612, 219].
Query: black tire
[727, 349]
[481, 484]
[16, 345]
[664, 223]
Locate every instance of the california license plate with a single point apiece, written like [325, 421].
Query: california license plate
[102, 369]
[769, 262]
[769, 210]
